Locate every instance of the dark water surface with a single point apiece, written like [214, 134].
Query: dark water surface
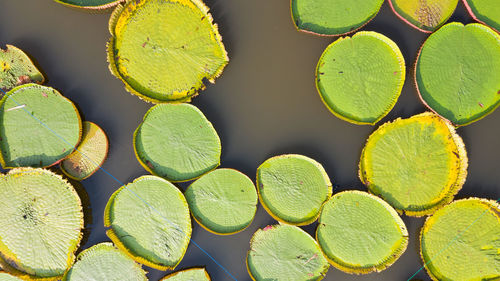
[264, 104]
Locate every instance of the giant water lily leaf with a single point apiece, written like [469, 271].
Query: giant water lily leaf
[333, 17]
[360, 78]
[39, 127]
[485, 11]
[461, 241]
[16, 68]
[192, 274]
[91, 5]
[424, 15]
[150, 221]
[360, 233]
[417, 164]
[42, 220]
[457, 72]
[163, 49]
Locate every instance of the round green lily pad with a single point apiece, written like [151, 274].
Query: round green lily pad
[150, 221]
[360, 233]
[16, 68]
[485, 11]
[92, 5]
[105, 262]
[424, 15]
[7, 277]
[333, 17]
[34, 120]
[285, 252]
[223, 201]
[457, 72]
[163, 49]
[360, 78]
[192, 274]
[177, 142]
[417, 164]
[42, 218]
[461, 242]
[89, 155]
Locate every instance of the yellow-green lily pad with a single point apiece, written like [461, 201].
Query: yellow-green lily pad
[424, 15]
[16, 68]
[192, 274]
[485, 11]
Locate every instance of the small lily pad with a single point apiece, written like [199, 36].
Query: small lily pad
[285, 252]
[456, 72]
[91, 5]
[192, 274]
[40, 127]
[417, 164]
[360, 233]
[360, 78]
[485, 11]
[89, 155]
[43, 218]
[424, 15]
[7, 277]
[150, 221]
[105, 262]
[333, 17]
[461, 242]
[223, 201]
[16, 68]
[177, 142]
[163, 49]
[292, 188]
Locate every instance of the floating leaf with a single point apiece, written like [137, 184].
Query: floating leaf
[360, 78]
[360, 233]
[285, 252]
[333, 17]
[149, 220]
[223, 201]
[89, 155]
[91, 5]
[461, 241]
[105, 262]
[163, 49]
[16, 68]
[417, 164]
[485, 11]
[457, 72]
[7, 277]
[192, 274]
[44, 217]
[177, 142]
[424, 15]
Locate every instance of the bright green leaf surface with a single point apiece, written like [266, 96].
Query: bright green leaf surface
[7, 277]
[16, 68]
[193, 274]
[486, 11]
[425, 15]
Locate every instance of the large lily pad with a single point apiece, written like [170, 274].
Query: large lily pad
[461, 241]
[333, 17]
[360, 233]
[285, 252]
[417, 164]
[292, 188]
[360, 78]
[92, 5]
[89, 155]
[105, 262]
[150, 221]
[485, 11]
[192, 274]
[424, 15]
[457, 72]
[42, 220]
[163, 49]
[16, 68]
[177, 142]
[38, 127]
[223, 201]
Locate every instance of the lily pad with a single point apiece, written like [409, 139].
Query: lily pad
[285, 252]
[417, 164]
[461, 241]
[360, 233]
[105, 262]
[360, 78]
[456, 72]
[7, 277]
[163, 49]
[333, 17]
[424, 15]
[150, 221]
[177, 142]
[223, 201]
[485, 11]
[91, 5]
[292, 188]
[16, 68]
[44, 217]
[89, 155]
[192, 274]
[39, 127]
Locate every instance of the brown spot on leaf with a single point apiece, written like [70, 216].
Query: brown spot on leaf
[23, 79]
[481, 105]
[44, 94]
